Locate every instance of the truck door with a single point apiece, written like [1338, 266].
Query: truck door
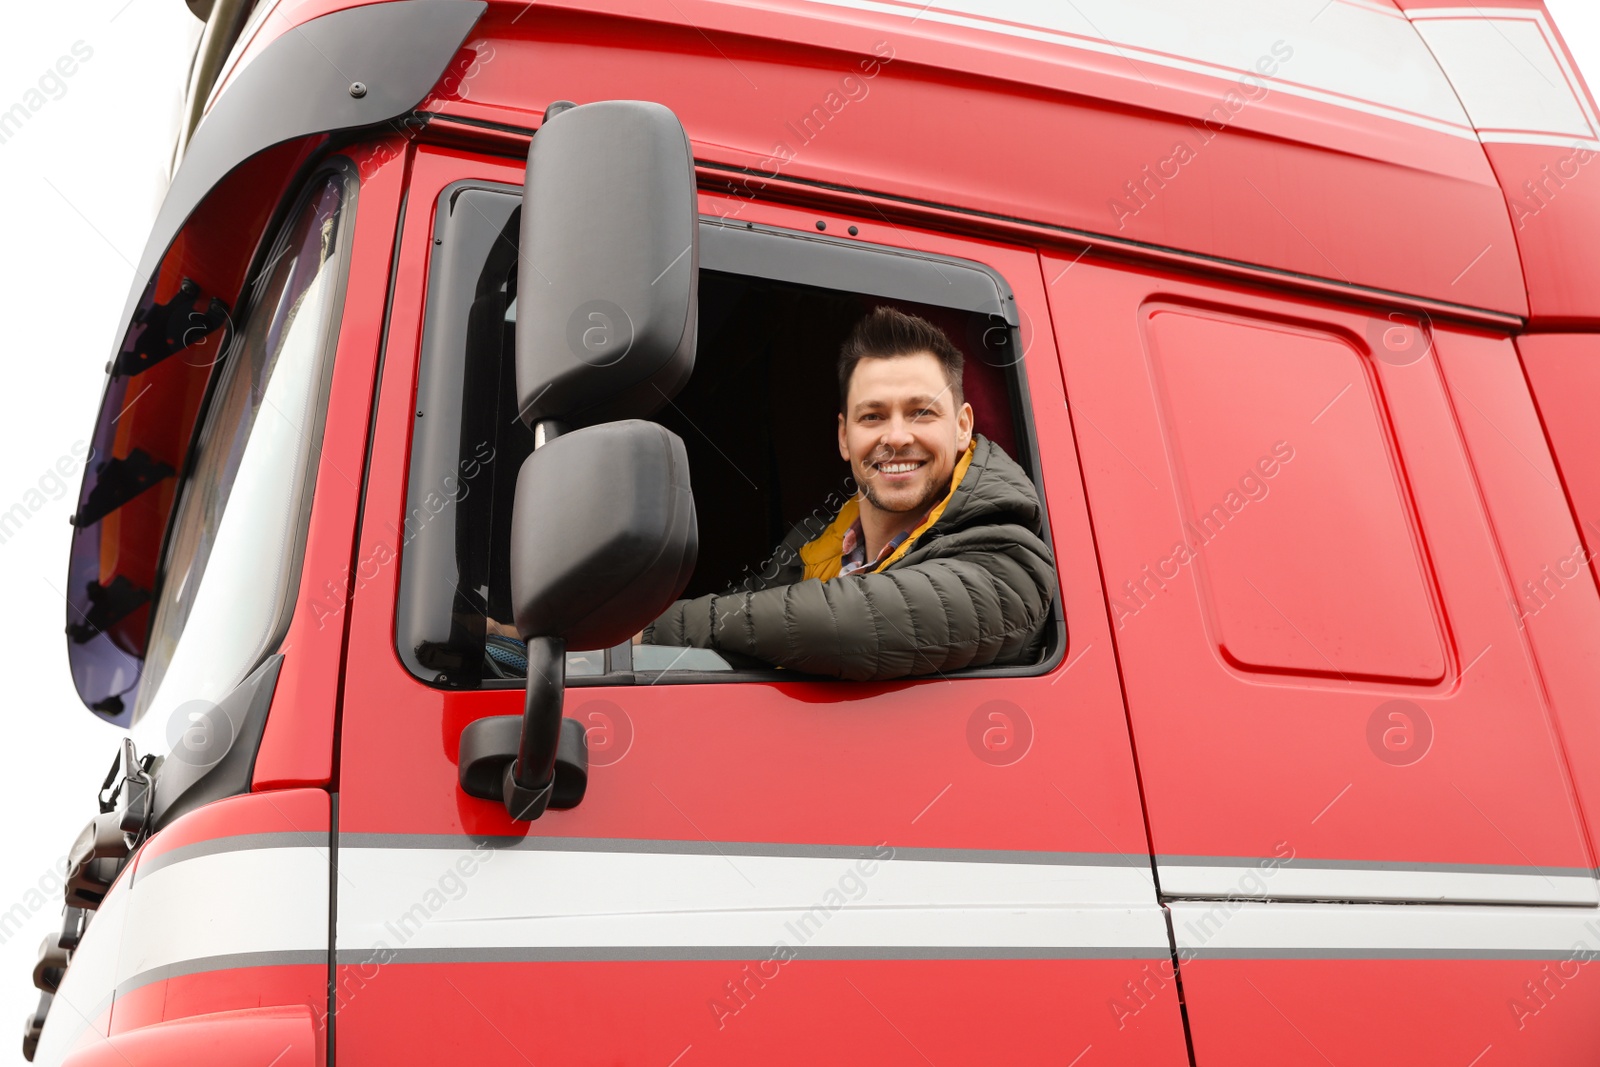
[763, 869]
[1332, 703]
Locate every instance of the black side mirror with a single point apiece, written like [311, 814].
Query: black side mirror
[608, 266]
[603, 528]
[603, 539]
[603, 534]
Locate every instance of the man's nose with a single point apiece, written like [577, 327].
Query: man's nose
[897, 434]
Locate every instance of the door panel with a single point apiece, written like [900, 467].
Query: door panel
[1552, 594]
[782, 872]
[1304, 541]
[1328, 695]
[1553, 574]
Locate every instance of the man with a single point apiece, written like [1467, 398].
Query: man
[936, 564]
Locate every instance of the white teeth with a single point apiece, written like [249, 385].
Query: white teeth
[898, 468]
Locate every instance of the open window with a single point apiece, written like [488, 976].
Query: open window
[758, 419]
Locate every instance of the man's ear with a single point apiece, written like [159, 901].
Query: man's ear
[844, 448]
[963, 427]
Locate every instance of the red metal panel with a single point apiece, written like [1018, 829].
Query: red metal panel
[1554, 598]
[1017, 128]
[297, 746]
[1553, 196]
[1234, 765]
[1310, 1013]
[1564, 373]
[303, 811]
[1086, 755]
[1391, 206]
[283, 1037]
[883, 1012]
[796, 762]
[251, 1003]
[1226, 382]
[212, 997]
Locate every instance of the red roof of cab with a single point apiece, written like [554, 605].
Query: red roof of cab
[1335, 146]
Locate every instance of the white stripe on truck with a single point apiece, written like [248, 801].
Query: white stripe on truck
[263, 900]
[1239, 929]
[596, 904]
[1303, 879]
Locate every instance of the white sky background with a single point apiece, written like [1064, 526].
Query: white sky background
[80, 185]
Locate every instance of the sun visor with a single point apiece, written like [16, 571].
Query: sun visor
[351, 68]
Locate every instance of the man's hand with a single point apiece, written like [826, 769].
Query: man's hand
[497, 628]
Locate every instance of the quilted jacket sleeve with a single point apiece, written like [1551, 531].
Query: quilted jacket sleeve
[983, 602]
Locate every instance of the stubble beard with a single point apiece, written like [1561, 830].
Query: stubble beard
[936, 492]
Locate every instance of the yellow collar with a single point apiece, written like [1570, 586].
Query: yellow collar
[822, 556]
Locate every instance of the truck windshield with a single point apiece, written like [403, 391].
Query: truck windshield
[234, 550]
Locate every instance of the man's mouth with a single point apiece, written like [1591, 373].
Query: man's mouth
[898, 466]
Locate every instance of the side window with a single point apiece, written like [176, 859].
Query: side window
[758, 419]
[233, 554]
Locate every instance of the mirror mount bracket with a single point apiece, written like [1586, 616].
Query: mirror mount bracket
[533, 761]
[525, 804]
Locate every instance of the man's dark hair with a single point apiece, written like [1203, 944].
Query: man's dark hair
[887, 333]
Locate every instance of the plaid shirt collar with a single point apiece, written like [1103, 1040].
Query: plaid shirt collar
[853, 549]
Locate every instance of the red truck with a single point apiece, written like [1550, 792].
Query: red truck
[465, 315]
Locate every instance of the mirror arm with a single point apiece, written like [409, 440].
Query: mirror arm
[545, 431]
[530, 780]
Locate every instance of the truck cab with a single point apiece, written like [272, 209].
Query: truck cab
[464, 318]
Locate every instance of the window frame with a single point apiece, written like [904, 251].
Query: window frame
[740, 248]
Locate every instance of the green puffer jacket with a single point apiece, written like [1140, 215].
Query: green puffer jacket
[971, 590]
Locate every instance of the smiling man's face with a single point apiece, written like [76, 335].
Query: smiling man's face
[902, 432]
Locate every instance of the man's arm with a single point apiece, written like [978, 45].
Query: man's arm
[983, 604]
